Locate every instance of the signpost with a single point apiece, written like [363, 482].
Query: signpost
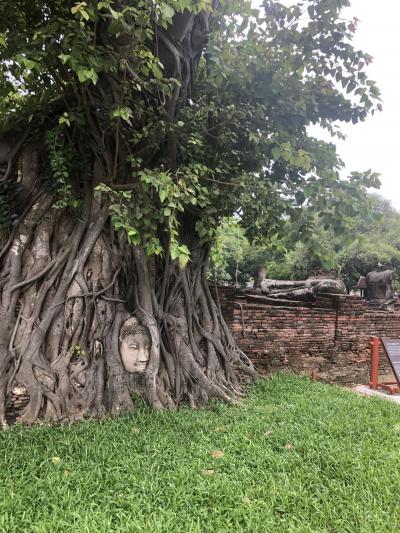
[392, 350]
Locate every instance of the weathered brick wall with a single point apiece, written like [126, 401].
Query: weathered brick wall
[330, 335]
[16, 403]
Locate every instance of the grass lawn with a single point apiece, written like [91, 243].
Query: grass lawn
[294, 456]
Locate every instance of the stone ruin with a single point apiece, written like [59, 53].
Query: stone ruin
[314, 325]
[319, 282]
[378, 288]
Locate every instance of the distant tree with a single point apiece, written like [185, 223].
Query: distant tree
[375, 244]
[230, 251]
[370, 242]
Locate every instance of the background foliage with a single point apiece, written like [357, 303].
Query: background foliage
[371, 243]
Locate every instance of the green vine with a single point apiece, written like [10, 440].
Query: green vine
[60, 165]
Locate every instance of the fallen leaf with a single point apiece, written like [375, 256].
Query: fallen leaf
[207, 472]
[56, 460]
[246, 499]
[135, 430]
[217, 454]
[288, 446]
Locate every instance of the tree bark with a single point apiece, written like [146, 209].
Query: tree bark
[68, 285]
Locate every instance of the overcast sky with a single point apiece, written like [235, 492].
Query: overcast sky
[375, 143]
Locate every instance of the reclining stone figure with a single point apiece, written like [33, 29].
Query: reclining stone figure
[299, 289]
[305, 289]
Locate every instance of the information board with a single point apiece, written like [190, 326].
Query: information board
[392, 349]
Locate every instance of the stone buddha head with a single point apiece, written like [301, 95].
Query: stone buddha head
[134, 345]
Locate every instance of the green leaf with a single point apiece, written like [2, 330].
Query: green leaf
[64, 58]
[167, 12]
[174, 250]
[276, 152]
[86, 75]
[30, 64]
[115, 15]
[184, 249]
[64, 119]
[183, 261]
[123, 112]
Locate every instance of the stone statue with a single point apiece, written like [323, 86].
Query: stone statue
[361, 286]
[380, 288]
[260, 276]
[134, 345]
[319, 283]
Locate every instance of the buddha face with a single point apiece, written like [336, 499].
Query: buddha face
[135, 351]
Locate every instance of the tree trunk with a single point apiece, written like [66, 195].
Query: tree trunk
[88, 321]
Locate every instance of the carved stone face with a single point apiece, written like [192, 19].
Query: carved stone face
[134, 348]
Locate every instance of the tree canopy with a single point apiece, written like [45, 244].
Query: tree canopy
[234, 139]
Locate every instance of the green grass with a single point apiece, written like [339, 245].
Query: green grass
[297, 457]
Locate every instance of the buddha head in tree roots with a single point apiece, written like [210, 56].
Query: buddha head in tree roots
[134, 345]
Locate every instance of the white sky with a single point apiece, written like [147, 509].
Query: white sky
[375, 143]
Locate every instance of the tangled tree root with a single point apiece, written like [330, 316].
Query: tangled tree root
[67, 286]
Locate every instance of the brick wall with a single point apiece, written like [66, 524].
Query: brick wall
[330, 335]
[17, 400]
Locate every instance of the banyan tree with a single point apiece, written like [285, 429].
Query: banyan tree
[129, 128]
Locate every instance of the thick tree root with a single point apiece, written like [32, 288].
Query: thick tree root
[68, 285]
